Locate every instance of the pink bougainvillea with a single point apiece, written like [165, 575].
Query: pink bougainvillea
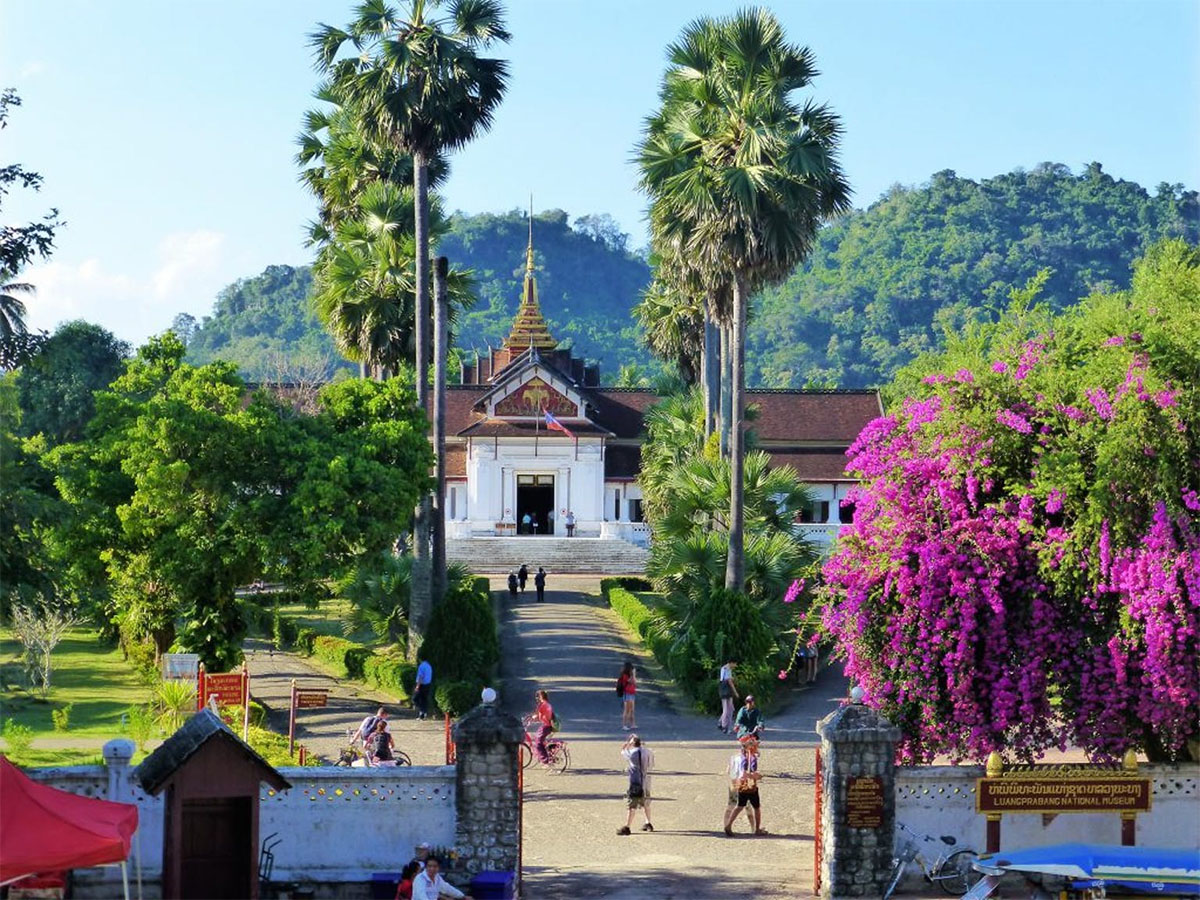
[1023, 568]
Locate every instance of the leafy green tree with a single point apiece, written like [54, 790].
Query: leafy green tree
[740, 178]
[182, 491]
[56, 386]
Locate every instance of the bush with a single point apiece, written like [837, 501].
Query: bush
[141, 658]
[176, 701]
[457, 697]
[274, 748]
[346, 657]
[461, 642]
[61, 717]
[140, 724]
[18, 737]
[394, 676]
[306, 640]
[284, 632]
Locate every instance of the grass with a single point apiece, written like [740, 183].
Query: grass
[327, 618]
[96, 680]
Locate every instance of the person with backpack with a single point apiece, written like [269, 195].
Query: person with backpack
[539, 582]
[523, 576]
[367, 728]
[639, 762]
[379, 746]
[627, 692]
[512, 586]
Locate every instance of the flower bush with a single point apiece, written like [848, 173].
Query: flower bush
[1023, 569]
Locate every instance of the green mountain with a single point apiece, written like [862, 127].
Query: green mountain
[881, 285]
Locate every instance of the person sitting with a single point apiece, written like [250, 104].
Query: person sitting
[749, 721]
[429, 884]
[379, 747]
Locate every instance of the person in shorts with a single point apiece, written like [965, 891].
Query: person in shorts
[638, 761]
[743, 788]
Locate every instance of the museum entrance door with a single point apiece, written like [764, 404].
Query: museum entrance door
[535, 498]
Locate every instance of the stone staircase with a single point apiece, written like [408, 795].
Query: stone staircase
[559, 555]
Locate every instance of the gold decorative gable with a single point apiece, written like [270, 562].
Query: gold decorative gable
[533, 398]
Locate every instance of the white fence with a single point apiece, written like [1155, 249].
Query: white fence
[336, 825]
[940, 800]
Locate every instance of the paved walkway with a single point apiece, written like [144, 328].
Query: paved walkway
[573, 646]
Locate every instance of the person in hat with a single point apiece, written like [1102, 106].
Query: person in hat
[743, 787]
[749, 722]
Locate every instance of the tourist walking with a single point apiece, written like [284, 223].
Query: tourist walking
[512, 585]
[627, 689]
[569, 521]
[727, 692]
[749, 722]
[523, 576]
[743, 788]
[639, 762]
[430, 885]
[544, 713]
[423, 687]
[539, 582]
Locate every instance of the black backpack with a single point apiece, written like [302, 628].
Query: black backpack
[381, 748]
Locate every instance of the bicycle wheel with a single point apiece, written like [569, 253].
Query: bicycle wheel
[897, 874]
[957, 875]
[560, 758]
[402, 758]
[526, 756]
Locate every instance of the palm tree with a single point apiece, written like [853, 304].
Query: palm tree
[12, 307]
[740, 178]
[420, 85]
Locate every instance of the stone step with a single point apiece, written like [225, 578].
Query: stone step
[575, 556]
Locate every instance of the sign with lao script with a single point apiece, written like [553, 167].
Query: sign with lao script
[1063, 795]
[227, 688]
[864, 802]
[311, 699]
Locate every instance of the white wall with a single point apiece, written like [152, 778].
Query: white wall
[337, 824]
[940, 800]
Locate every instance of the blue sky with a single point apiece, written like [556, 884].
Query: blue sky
[165, 130]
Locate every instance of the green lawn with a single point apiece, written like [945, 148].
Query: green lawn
[98, 683]
[327, 618]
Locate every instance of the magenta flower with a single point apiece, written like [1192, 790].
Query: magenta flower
[1014, 421]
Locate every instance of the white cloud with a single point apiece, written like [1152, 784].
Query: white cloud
[31, 69]
[187, 276]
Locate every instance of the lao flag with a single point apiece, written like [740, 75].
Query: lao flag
[552, 424]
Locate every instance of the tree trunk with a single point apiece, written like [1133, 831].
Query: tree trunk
[710, 359]
[726, 416]
[440, 336]
[735, 562]
[421, 599]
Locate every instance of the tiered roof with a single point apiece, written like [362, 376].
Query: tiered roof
[529, 327]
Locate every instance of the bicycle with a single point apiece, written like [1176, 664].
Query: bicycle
[558, 754]
[352, 756]
[953, 872]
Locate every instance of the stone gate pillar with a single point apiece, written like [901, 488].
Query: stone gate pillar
[488, 827]
[858, 801]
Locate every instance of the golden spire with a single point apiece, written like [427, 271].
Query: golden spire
[529, 327]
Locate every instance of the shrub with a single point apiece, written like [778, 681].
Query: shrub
[139, 724]
[306, 640]
[18, 737]
[141, 658]
[61, 717]
[274, 748]
[457, 697]
[176, 700]
[461, 642]
[284, 632]
[394, 676]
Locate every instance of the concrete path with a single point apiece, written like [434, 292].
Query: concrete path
[573, 646]
[323, 731]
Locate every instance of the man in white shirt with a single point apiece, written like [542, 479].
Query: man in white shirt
[429, 884]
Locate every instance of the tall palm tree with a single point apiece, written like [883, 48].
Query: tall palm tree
[419, 84]
[12, 307]
[740, 178]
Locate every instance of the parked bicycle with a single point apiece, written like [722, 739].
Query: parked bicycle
[352, 755]
[558, 754]
[952, 871]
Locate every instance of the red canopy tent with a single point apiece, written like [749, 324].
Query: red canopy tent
[43, 829]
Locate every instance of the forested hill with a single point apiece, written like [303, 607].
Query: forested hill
[881, 284]
[879, 287]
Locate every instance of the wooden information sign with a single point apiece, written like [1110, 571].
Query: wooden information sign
[864, 802]
[1062, 795]
[311, 699]
[225, 689]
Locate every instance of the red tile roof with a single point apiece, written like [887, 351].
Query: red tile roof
[812, 463]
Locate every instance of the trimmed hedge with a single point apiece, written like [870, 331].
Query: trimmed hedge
[461, 642]
[306, 640]
[457, 697]
[346, 657]
[392, 675]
